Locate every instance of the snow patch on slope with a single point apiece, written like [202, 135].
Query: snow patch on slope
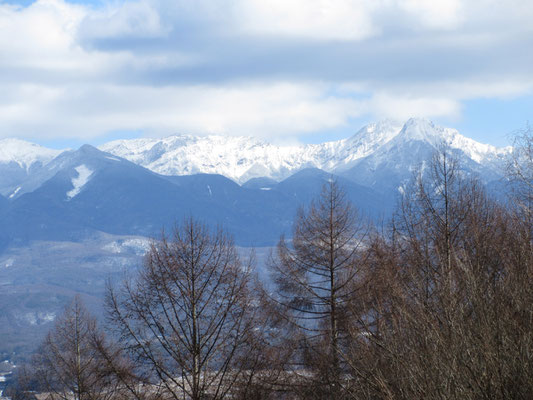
[138, 246]
[37, 318]
[80, 181]
[15, 192]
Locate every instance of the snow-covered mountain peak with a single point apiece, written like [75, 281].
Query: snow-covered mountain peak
[426, 131]
[243, 158]
[370, 137]
[422, 130]
[24, 153]
[234, 157]
[379, 128]
[79, 164]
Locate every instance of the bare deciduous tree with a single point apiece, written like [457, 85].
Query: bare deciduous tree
[315, 278]
[520, 174]
[450, 291]
[189, 314]
[69, 364]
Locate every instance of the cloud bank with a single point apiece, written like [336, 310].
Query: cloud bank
[277, 68]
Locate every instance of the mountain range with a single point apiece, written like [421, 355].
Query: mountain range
[376, 146]
[72, 219]
[139, 186]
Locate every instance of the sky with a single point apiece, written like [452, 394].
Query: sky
[287, 71]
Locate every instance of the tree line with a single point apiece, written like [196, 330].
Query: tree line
[436, 304]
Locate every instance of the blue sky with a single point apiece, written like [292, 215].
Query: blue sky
[75, 72]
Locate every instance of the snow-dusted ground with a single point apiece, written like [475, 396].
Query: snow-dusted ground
[2, 387]
[43, 277]
[37, 318]
[137, 246]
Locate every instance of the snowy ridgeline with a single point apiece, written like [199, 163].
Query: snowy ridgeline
[25, 154]
[243, 158]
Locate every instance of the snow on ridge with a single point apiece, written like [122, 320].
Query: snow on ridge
[25, 153]
[475, 150]
[238, 158]
[80, 181]
[422, 129]
[242, 158]
[233, 157]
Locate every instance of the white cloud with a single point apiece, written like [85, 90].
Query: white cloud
[264, 110]
[260, 110]
[445, 14]
[400, 108]
[317, 19]
[130, 19]
[42, 33]
[265, 68]
[502, 88]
